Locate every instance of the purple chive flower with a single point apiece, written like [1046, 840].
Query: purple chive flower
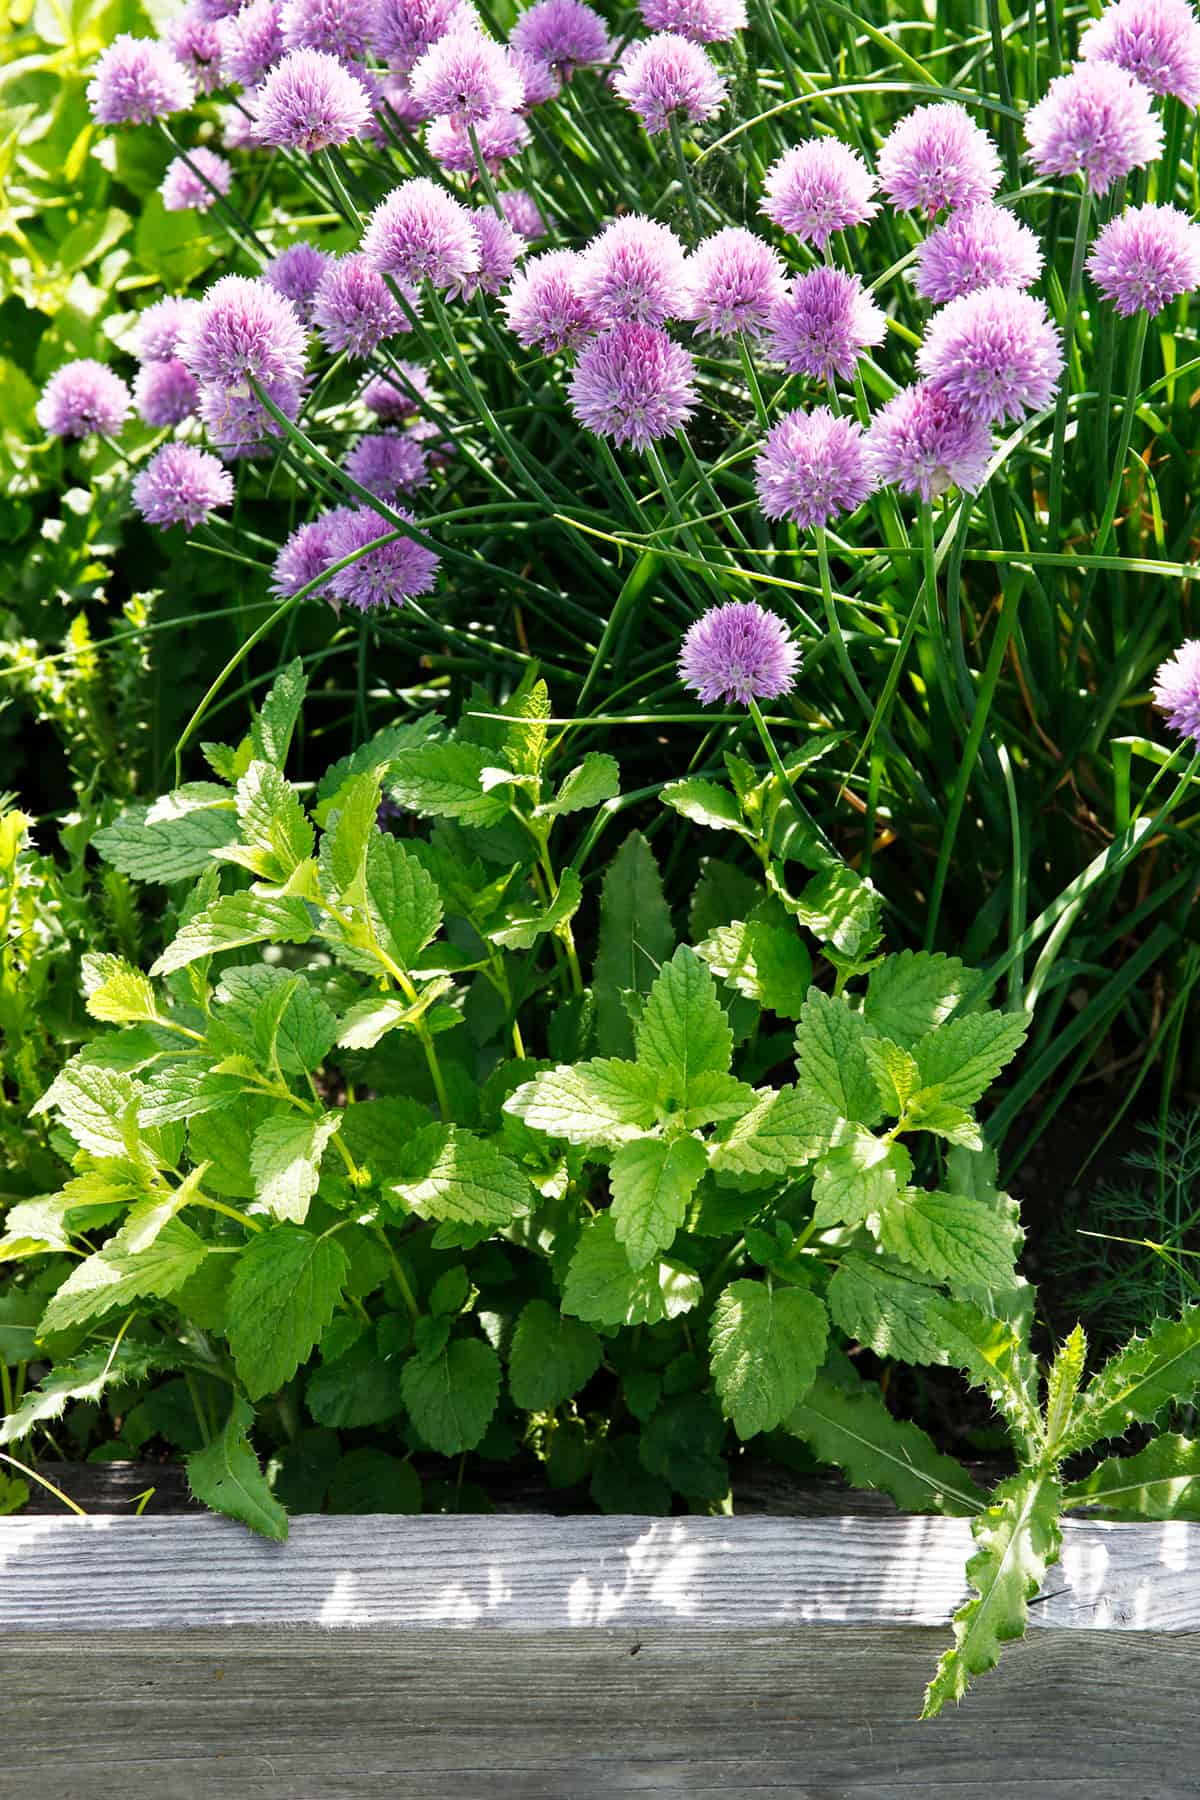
[464, 77]
[545, 306]
[561, 34]
[195, 41]
[156, 335]
[251, 42]
[522, 212]
[388, 463]
[310, 100]
[238, 130]
[164, 393]
[635, 270]
[812, 467]
[994, 351]
[703, 21]
[397, 98]
[83, 397]
[405, 29]
[633, 384]
[387, 576]
[540, 81]
[1095, 121]
[341, 28]
[420, 232]
[137, 80]
[353, 309]
[304, 556]
[189, 181]
[823, 324]
[216, 10]
[1155, 41]
[938, 157]
[237, 423]
[296, 274]
[664, 75]
[818, 188]
[736, 283]
[181, 486]
[738, 652]
[242, 328]
[500, 250]
[1177, 690]
[981, 246]
[923, 442]
[390, 400]
[1145, 258]
[499, 136]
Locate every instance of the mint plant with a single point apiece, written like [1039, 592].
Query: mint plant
[362, 1169]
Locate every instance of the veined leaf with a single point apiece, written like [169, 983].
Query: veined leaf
[859, 1176]
[87, 1377]
[226, 1475]
[782, 1131]
[706, 803]
[119, 1274]
[271, 732]
[886, 1310]
[652, 1181]
[636, 938]
[285, 1161]
[1136, 1383]
[853, 1430]
[551, 1358]
[285, 1289]
[954, 1239]
[169, 849]
[605, 1101]
[683, 1031]
[116, 992]
[766, 1346]
[442, 780]
[235, 920]
[963, 1058]
[446, 1173]
[1160, 1482]
[451, 1397]
[597, 779]
[602, 1288]
[524, 926]
[831, 1061]
[913, 992]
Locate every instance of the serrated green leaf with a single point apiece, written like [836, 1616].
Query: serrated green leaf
[88, 1378]
[963, 1058]
[713, 1097]
[233, 921]
[443, 1172]
[853, 1430]
[1062, 1384]
[602, 1288]
[597, 779]
[117, 993]
[1160, 1482]
[766, 1346]
[895, 1074]
[1136, 1383]
[831, 1060]
[886, 1310]
[1018, 1537]
[551, 1357]
[763, 960]
[636, 938]
[373, 755]
[652, 1181]
[359, 1389]
[270, 1011]
[954, 1123]
[271, 732]
[442, 780]
[910, 994]
[994, 1354]
[273, 824]
[605, 1101]
[683, 1031]
[706, 803]
[171, 849]
[526, 924]
[954, 1239]
[451, 1398]
[525, 738]
[285, 1289]
[403, 909]
[225, 1475]
[782, 1131]
[119, 1274]
[351, 830]
[370, 1020]
[285, 1161]
[95, 1105]
[858, 1176]
[838, 907]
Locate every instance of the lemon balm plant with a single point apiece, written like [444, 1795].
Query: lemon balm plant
[370, 1163]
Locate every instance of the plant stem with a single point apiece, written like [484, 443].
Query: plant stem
[1054, 512]
[685, 174]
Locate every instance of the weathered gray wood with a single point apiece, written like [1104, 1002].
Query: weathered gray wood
[520, 1573]
[529, 1658]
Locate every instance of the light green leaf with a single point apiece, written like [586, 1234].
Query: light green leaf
[116, 992]
[706, 803]
[119, 1274]
[1160, 1482]
[858, 1176]
[954, 1123]
[597, 779]
[551, 1358]
[273, 822]
[993, 1352]
[652, 1182]
[371, 1019]
[781, 1132]
[604, 1101]
[886, 1310]
[1136, 1383]
[838, 907]
[603, 1289]
[683, 1031]
[832, 1061]
[525, 738]
[225, 1475]
[351, 829]
[526, 925]
[285, 1161]
[954, 1239]
[94, 1104]
[451, 1399]
[403, 906]
[447, 1173]
[87, 1377]
[895, 1074]
[764, 960]
[272, 1011]
[442, 780]
[712, 1096]
[285, 1289]
[174, 849]
[963, 1058]
[853, 1429]
[910, 994]
[272, 730]
[766, 1345]
[636, 937]
[235, 920]
[1018, 1537]
[371, 757]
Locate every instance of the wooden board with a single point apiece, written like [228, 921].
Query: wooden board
[531, 1658]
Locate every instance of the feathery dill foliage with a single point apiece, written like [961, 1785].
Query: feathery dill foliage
[588, 1073]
